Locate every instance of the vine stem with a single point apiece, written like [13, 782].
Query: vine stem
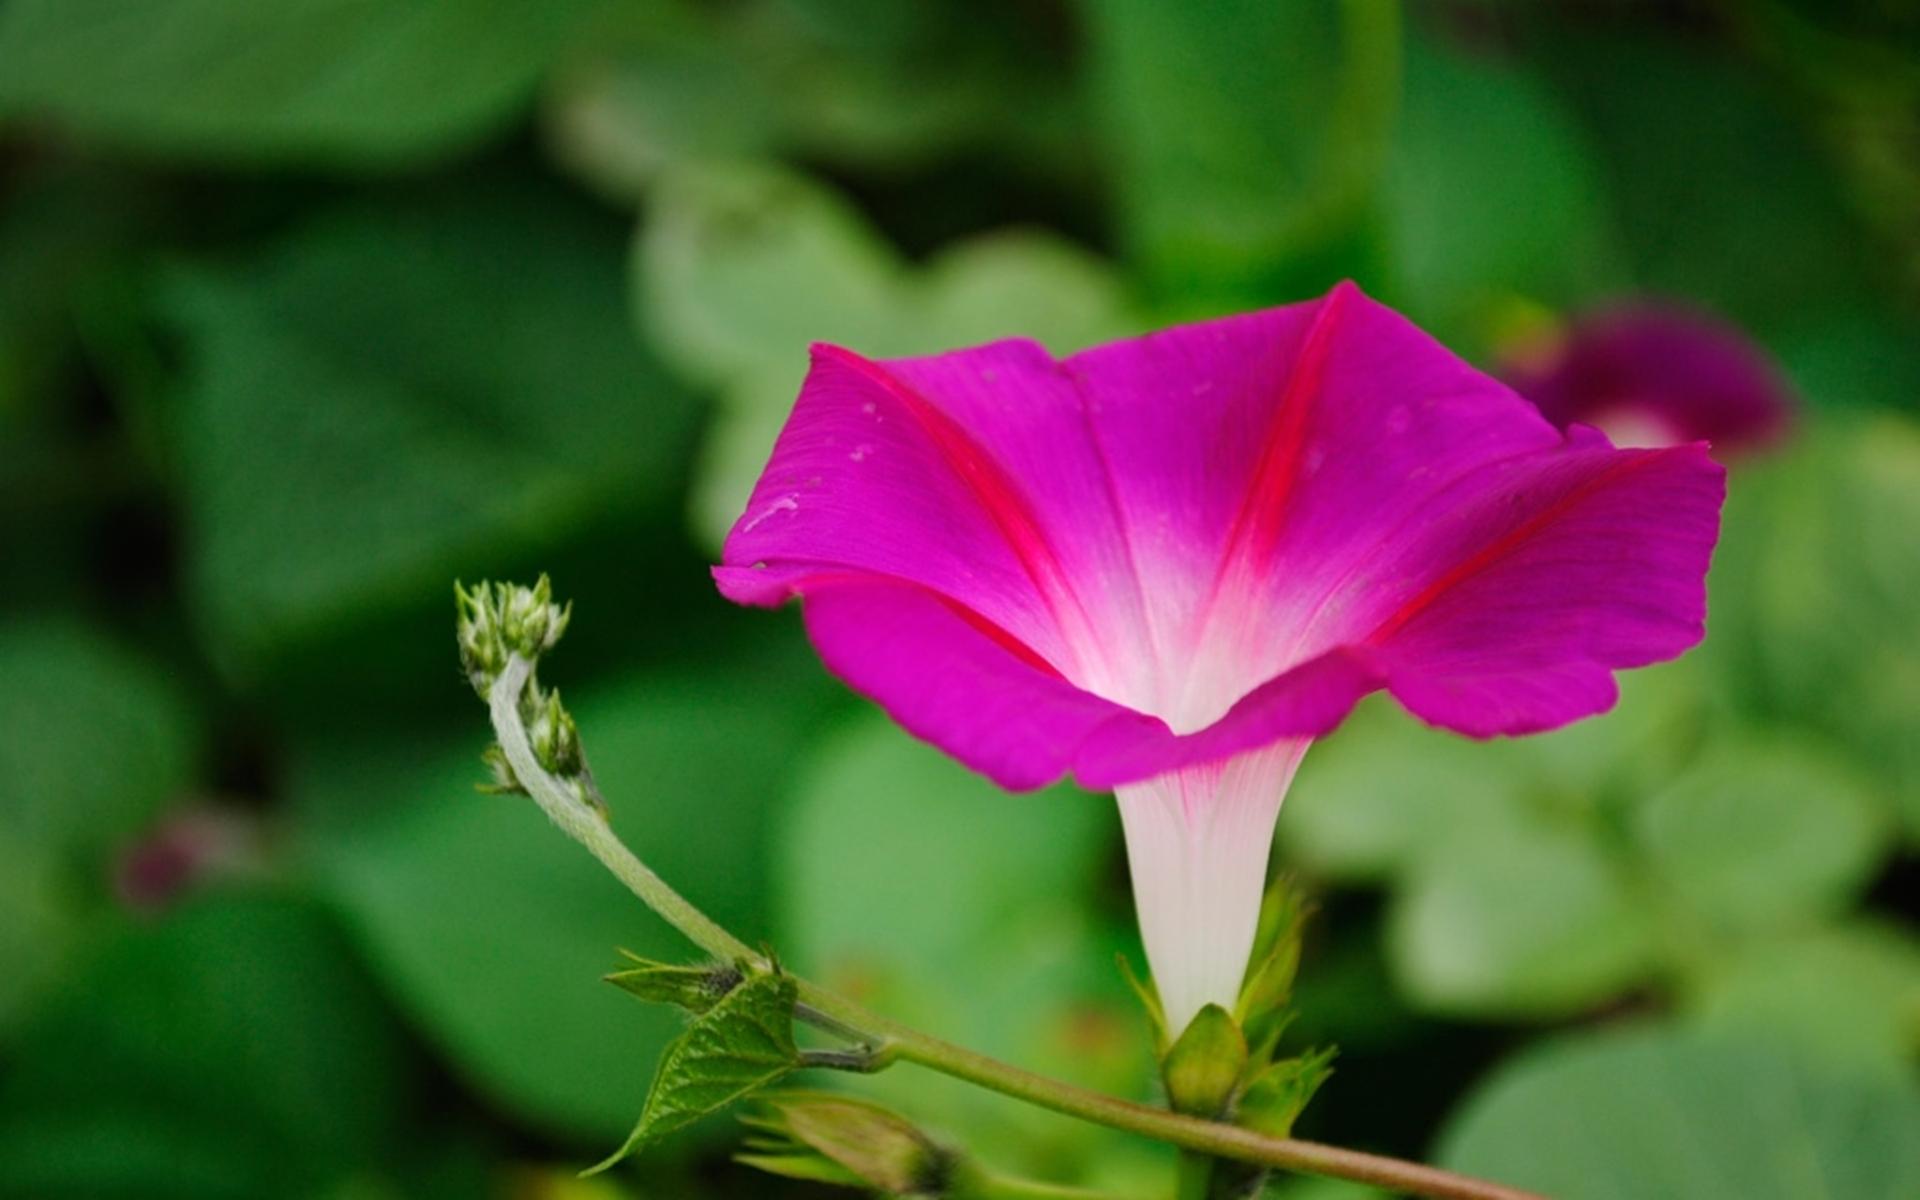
[883, 1041]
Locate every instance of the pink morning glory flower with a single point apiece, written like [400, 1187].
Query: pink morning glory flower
[1656, 374]
[1165, 565]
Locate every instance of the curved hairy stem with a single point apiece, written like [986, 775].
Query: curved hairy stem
[880, 1041]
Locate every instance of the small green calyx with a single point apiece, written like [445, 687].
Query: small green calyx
[497, 620]
[1205, 1064]
[695, 988]
[1275, 1097]
[833, 1139]
[1262, 1007]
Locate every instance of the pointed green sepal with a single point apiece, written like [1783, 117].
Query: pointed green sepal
[831, 1138]
[1149, 1000]
[1268, 985]
[1277, 1095]
[742, 1044]
[1203, 1066]
[696, 989]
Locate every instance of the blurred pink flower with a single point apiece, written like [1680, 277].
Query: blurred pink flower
[1656, 374]
[1166, 564]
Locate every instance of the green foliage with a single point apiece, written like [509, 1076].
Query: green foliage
[1655, 1113]
[346, 82]
[232, 1051]
[1762, 833]
[738, 270]
[94, 738]
[492, 929]
[1491, 190]
[304, 313]
[1247, 137]
[395, 389]
[1825, 631]
[742, 1044]
[909, 881]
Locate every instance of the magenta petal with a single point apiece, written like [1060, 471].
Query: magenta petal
[1183, 547]
[1562, 569]
[947, 678]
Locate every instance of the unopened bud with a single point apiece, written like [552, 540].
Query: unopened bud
[497, 620]
[827, 1138]
[1204, 1065]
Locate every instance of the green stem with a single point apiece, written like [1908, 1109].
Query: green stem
[885, 1040]
[1193, 1176]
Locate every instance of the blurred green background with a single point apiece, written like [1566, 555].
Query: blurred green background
[308, 307]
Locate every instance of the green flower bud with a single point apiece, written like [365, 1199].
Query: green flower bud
[828, 1138]
[497, 620]
[1203, 1066]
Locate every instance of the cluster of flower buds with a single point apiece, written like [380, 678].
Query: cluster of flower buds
[497, 622]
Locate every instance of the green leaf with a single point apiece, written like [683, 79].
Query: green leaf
[1529, 918]
[1491, 191]
[38, 925]
[1762, 831]
[354, 83]
[739, 1046]
[396, 393]
[1821, 628]
[1245, 135]
[493, 930]
[1698, 128]
[94, 738]
[946, 903]
[1849, 994]
[738, 269]
[233, 1050]
[1655, 1113]
[696, 989]
[1383, 789]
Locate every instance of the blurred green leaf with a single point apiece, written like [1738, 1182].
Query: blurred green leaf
[397, 389]
[233, 1051]
[734, 1049]
[920, 887]
[1244, 136]
[1385, 790]
[341, 82]
[1849, 994]
[884, 88]
[37, 925]
[1720, 193]
[1652, 1113]
[1817, 582]
[1381, 790]
[739, 269]
[1763, 832]
[1491, 192]
[1526, 918]
[494, 930]
[94, 738]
